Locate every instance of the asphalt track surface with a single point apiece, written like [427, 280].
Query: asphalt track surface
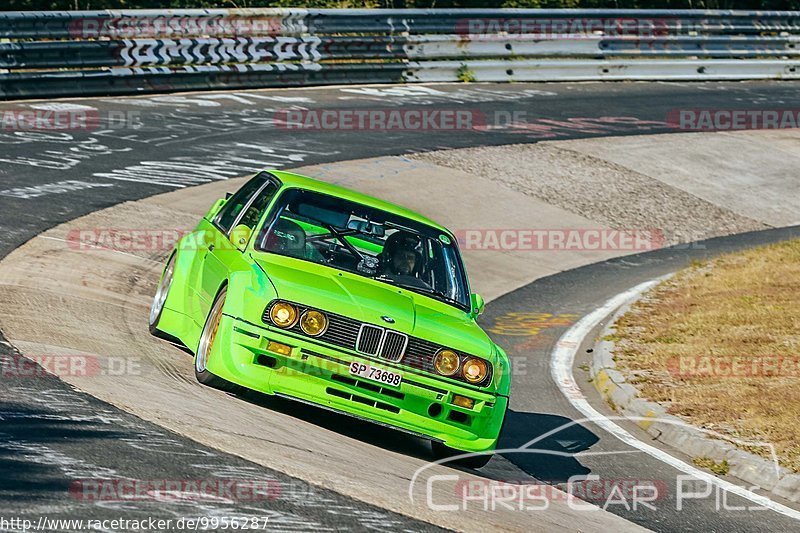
[52, 435]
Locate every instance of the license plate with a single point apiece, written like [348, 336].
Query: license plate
[378, 375]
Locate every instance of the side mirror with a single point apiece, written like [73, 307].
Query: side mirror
[477, 304]
[240, 236]
[214, 209]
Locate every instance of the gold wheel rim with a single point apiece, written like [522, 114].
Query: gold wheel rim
[209, 337]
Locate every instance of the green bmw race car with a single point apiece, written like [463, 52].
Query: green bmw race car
[314, 292]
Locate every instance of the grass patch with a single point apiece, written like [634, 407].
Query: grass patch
[720, 346]
[465, 75]
[720, 469]
[611, 403]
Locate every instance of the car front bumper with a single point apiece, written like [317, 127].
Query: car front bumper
[318, 374]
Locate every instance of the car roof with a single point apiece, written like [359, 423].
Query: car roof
[290, 179]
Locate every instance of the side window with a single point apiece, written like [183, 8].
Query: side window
[253, 213]
[230, 211]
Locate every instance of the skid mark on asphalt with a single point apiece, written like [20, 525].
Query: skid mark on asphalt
[210, 165]
[60, 187]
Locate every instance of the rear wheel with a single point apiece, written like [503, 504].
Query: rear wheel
[206, 346]
[442, 451]
[157, 308]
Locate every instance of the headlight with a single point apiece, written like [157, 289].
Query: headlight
[313, 323]
[475, 370]
[283, 315]
[446, 362]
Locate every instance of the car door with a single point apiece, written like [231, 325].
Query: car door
[222, 255]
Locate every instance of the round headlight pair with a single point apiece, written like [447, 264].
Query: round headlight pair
[473, 370]
[284, 315]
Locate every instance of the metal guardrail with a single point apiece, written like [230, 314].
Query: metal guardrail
[112, 52]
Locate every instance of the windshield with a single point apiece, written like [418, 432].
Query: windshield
[369, 242]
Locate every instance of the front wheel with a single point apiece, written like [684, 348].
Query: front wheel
[442, 451]
[157, 308]
[206, 346]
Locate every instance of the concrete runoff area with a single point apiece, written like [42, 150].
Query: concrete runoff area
[584, 177]
[752, 173]
[96, 303]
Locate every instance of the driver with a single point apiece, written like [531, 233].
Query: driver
[400, 256]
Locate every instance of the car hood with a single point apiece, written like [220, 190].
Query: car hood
[367, 300]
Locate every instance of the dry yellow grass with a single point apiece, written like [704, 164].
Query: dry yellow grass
[739, 313]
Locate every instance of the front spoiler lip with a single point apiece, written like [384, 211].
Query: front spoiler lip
[383, 362]
[358, 417]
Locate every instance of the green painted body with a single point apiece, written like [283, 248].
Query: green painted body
[254, 278]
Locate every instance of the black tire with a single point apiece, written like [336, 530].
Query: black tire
[160, 298]
[442, 451]
[206, 344]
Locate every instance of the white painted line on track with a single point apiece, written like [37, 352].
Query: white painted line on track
[561, 361]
